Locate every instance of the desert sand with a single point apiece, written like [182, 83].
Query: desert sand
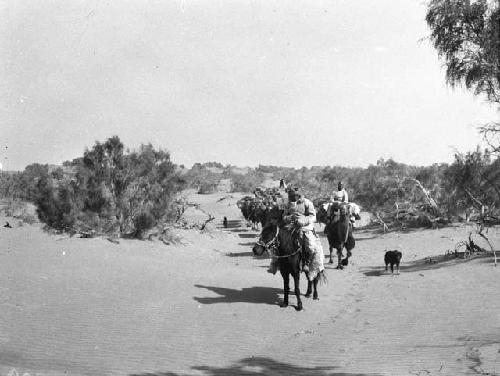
[72, 306]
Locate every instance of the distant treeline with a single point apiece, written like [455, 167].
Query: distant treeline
[111, 190]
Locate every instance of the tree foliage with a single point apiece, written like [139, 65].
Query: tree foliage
[467, 35]
[473, 177]
[109, 190]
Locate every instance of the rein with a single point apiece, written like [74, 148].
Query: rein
[291, 254]
[274, 243]
[271, 242]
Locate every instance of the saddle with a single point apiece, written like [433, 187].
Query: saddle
[336, 210]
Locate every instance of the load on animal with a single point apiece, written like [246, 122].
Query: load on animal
[255, 209]
[329, 208]
[338, 215]
[338, 231]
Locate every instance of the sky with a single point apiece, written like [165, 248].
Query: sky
[288, 83]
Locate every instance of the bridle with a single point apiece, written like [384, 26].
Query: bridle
[273, 244]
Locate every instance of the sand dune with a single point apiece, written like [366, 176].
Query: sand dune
[90, 307]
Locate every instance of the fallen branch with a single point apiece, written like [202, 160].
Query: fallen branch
[480, 233]
[224, 198]
[114, 241]
[426, 193]
[210, 219]
[386, 228]
[87, 234]
[481, 223]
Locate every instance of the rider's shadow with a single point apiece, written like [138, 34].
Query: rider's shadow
[256, 295]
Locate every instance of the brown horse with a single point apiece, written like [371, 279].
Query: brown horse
[339, 234]
[280, 240]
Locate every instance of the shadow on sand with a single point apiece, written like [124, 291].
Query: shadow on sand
[428, 263]
[255, 366]
[247, 244]
[240, 254]
[256, 295]
[248, 236]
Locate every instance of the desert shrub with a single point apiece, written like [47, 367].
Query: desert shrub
[203, 178]
[18, 209]
[207, 187]
[55, 206]
[142, 222]
[109, 190]
[472, 180]
[246, 182]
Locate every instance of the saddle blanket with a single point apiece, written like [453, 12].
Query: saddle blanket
[317, 265]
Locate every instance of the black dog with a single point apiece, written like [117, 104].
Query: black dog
[393, 258]
[224, 222]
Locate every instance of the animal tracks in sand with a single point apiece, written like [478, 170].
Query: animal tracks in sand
[210, 306]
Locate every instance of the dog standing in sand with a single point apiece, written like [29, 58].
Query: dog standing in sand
[392, 258]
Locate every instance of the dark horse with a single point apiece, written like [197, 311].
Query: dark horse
[277, 238]
[339, 234]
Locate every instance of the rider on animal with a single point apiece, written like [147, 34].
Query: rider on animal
[340, 201]
[341, 194]
[299, 215]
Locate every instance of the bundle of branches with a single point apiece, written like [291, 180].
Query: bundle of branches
[408, 204]
[467, 248]
[486, 219]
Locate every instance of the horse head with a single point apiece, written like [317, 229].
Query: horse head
[268, 240]
[269, 235]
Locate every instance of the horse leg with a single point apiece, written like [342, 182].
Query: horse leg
[309, 287]
[286, 288]
[339, 258]
[345, 261]
[315, 284]
[296, 281]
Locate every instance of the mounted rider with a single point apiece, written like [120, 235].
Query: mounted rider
[299, 216]
[340, 202]
[340, 195]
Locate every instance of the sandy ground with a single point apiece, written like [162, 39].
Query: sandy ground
[73, 306]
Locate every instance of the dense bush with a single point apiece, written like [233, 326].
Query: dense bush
[246, 182]
[203, 178]
[109, 190]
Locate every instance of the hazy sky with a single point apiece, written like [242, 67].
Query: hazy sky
[291, 83]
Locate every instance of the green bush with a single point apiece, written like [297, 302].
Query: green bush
[109, 190]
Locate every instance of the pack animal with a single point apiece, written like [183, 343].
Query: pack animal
[339, 234]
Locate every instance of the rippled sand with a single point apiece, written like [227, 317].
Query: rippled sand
[74, 306]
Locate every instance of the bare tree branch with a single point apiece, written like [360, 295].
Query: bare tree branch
[480, 233]
[386, 228]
